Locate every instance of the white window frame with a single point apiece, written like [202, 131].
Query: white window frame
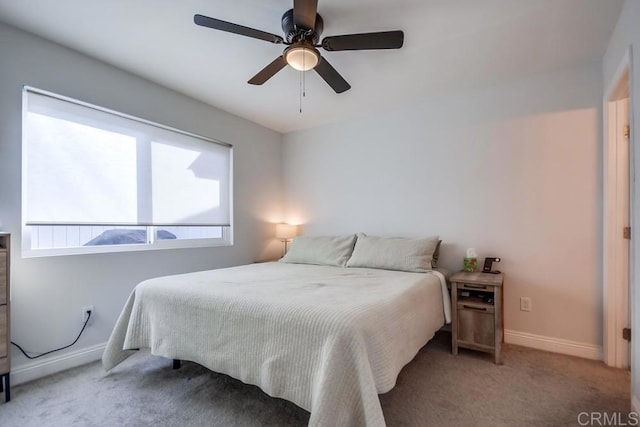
[152, 243]
[27, 252]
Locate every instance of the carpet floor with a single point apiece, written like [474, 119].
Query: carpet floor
[532, 388]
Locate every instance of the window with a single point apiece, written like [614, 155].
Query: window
[95, 180]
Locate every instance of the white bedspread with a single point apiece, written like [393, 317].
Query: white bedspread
[328, 339]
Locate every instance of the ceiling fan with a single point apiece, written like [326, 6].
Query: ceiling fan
[302, 27]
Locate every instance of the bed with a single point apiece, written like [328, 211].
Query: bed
[328, 338]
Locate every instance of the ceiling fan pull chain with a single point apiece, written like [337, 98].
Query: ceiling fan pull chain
[304, 84]
[301, 76]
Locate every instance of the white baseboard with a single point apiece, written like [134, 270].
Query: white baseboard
[38, 369]
[555, 345]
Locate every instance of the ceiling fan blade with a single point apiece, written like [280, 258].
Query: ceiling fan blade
[331, 76]
[269, 71]
[217, 24]
[304, 13]
[380, 40]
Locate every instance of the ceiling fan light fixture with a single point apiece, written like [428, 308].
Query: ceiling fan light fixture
[302, 57]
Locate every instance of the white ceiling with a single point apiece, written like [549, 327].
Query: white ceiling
[449, 45]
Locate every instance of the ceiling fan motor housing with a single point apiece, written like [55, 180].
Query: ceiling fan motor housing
[293, 34]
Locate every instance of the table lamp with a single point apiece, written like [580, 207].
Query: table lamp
[286, 232]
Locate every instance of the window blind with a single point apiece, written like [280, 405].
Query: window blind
[84, 164]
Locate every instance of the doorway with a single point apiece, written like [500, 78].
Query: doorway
[618, 167]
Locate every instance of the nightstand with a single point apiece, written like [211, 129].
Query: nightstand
[476, 302]
[5, 316]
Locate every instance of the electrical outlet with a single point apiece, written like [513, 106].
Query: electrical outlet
[525, 304]
[85, 311]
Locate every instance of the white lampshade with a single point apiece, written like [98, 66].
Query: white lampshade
[302, 58]
[286, 231]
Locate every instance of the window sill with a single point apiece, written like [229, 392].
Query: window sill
[85, 250]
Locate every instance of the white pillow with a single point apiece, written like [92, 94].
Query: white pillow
[394, 253]
[320, 250]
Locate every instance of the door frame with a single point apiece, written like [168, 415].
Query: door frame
[616, 308]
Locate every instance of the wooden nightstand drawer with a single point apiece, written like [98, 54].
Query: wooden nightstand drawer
[3, 332]
[476, 327]
[474, 287]
[3, 277]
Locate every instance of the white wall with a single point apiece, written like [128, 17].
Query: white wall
[512, 170]
[49, 293]
[627, 36]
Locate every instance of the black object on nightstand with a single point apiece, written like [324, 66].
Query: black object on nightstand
[488, 265]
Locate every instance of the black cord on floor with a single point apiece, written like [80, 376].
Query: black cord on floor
[57, 349]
